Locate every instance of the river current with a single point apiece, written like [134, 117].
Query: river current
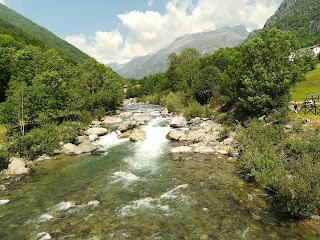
[138, 190]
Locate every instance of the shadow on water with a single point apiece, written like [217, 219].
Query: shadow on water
[140, 191]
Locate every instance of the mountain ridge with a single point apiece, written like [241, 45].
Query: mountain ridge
[50, 39]
[204, 42]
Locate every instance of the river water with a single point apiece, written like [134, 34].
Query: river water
[140, 191]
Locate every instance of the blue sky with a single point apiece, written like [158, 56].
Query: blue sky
[118, 30]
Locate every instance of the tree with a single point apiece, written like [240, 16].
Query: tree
[267, 72]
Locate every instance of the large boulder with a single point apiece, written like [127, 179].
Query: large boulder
[137, 135]
[71, 149]
[97, 131]
[87, 147]
[204, 150]
[141, 118]
[123, 127]
[182, 149]
[17, 166]
[126, 115]
[175, 135]
[93, 137]
[164, 112]
[82, 139]
[178, 122]
[112, 120]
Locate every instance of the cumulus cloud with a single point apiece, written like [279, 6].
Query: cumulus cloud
[149, 31]
[3, 2]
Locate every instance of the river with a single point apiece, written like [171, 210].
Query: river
[140, 191]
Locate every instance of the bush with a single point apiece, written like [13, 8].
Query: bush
[4, 158]
[224, 133]
[175, 102]
[194, 110]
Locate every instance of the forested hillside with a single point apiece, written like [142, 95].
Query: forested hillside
[67, 50]
[46, 97]
[302, 17]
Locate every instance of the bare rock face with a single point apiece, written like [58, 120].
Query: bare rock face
[71, 149]
[137, 135]
[17, 166]
[97, 131]
[178, 122]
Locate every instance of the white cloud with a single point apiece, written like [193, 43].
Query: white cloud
[3, 2]
[149, 31]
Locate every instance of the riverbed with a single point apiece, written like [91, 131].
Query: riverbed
[138, 190]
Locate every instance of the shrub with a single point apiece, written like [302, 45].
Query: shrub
[194, 110]
[4, 158]
[224, 133]
[175, 102]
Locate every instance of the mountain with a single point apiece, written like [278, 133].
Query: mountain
[68, 51]
[204, 42]
[302, 17]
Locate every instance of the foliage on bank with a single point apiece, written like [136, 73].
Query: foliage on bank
[287, 164]
[47, 100]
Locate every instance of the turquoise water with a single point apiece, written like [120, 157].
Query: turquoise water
[140, 191]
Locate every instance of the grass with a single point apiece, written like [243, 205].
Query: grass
[3, 132]
[309, 86]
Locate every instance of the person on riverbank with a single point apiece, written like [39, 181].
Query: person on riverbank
[295, 105]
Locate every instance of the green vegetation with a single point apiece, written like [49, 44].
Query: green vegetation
[311, 85]
[287, 166]
[20, 27]
[301, 18]
[46, 99]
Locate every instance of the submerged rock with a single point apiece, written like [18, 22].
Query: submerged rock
[71, 149]
[137, 135]
[17, 166]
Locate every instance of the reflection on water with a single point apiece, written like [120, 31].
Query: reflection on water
[139, 191]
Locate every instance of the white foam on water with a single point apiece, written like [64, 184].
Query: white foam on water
[45, 218]
[93, 203]
[172, 194]
[148, 151]
[156, 203]
[61, 207]
[128, 177]
[4, 202]
[109, 141]
[43, 236]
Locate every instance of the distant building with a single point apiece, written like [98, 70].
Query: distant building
[314, 49]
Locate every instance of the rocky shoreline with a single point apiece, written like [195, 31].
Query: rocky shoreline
[197, 136]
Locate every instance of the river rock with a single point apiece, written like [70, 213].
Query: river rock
[125, 135]
[93, 137]
[141, 118]
[175, 135]
[137, 135]
[2, 187]
[181, 149]
[82, 139]
[96, 123]
[178, 122]
[195, 121]
[97, 131]
[204, 150]
[123, 127]
[126, 115]
[112, 120]
[196, 135]
[71, 149]
[164, 112]
[17, 166]
[87, 147]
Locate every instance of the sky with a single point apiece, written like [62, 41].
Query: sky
[119, 30]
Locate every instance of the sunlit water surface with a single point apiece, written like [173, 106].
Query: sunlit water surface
[140, 191]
